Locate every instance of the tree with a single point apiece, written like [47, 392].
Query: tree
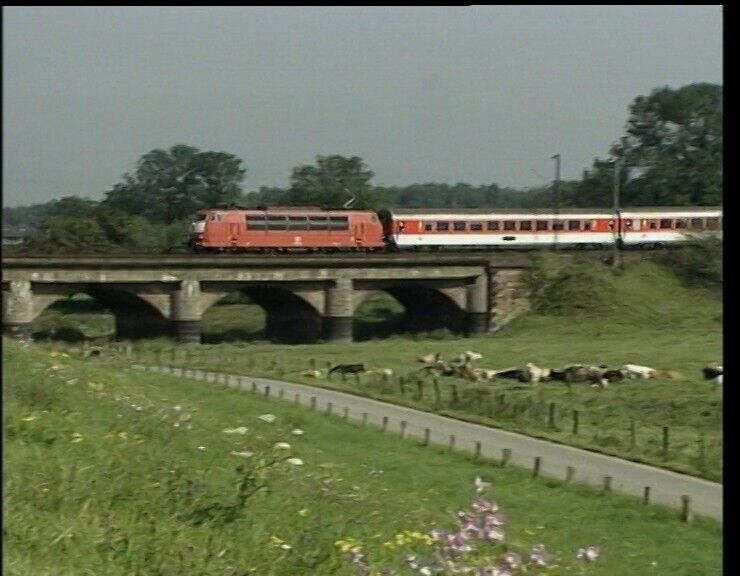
[332, 182]
[675, 137]
[170, 185]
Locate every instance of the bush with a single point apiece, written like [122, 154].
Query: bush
[698, 264]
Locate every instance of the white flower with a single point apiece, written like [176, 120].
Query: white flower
[243, 454]
[241, 430]
[297, 432]
[202, 448]
[295, 461]
[177, 408]
[285, 546]
[282, 446]
[269, 418]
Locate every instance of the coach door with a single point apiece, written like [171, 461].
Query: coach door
[358, 230]
[234, 232]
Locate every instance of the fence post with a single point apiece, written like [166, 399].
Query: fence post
[575, 422]
[702, 451]
[385, 423]
[607, 483]
[313, 402]
[267, 391]
[345, 416]
[403, 428]
[476, 455]
[254, 386]
[537, 462]
[455, 400]
[506, 456]
[281, 393]
[452, 442]
[297, 398]
[646, 495]
[685, 507]
[402, 385]
[437, 394]
[570, 472]
[665, 441]
[633, 434]
[419, 389]
[551, 415]
[329, 406]
[427, 432]
[364, 418]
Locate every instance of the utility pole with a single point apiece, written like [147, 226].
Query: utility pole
[556, 157]
[618, 219]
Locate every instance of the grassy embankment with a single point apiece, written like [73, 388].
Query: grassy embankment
[108, 471]
[641, 314]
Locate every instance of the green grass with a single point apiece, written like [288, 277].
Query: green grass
[93, 485]
[651, 319]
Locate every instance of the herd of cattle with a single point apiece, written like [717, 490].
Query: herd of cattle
[462, 366]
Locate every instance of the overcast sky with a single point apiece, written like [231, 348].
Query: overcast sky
[477, 94]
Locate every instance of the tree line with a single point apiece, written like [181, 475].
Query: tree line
[669, 154]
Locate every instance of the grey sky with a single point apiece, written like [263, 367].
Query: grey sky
[478, 94]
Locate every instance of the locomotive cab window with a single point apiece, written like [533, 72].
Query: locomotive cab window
[476, 226]
[542, 224]
[665, 223]
[509, 225]
[574, 224]
[443, 226]
[492, 225]
[525, 225]
[459, 226]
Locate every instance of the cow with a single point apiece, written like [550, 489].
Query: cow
[348, 369]
[635, 371]
[429, 358]
[711, 371]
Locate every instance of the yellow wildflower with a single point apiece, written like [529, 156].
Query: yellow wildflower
[303, 513]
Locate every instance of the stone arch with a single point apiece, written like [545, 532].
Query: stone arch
[290, 318]
[134, 316]
[427, 307]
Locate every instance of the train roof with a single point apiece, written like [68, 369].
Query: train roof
[514, 211]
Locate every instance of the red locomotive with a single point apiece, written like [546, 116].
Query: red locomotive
[286, 229]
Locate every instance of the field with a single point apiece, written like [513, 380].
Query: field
[645, 316]
[113, 472]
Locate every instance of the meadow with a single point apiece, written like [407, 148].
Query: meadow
[110, 471]
[640, 314]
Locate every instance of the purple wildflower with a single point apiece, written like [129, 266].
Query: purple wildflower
[511, 560]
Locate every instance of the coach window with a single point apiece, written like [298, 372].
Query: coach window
[476, 226]
[277, 223]
[574, 224]
[297, 223]
[681, 223]
[525, 225]
[427, 227]
[587, 225]
[459, 226]
[256, 223]
[492, 225]
[509, 225]
[339, 223]
[318, 223]
[697, 223]
[653, 225]
[541, 225]
[628, 224]
[443, 226]
[558, 225]
[665, 223]
[713, 224]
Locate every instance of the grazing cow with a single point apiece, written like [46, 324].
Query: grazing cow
[348, 369]
[512, 373]
[313, 373]
[484, 374]
[385, 373]
[635, 371]
[536, 374]
[466, 357]
[429, 358]
[711, 371]
[718, 379]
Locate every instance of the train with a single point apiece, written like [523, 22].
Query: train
[310, 229]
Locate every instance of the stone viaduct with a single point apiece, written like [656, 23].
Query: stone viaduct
[306, 298]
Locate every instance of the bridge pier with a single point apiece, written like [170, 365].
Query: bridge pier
[337, 320]
[186, 313]
[477, 318]
[18, 309]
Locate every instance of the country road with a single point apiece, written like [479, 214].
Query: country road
[631, 478]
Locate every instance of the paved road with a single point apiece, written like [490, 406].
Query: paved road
[666, 487]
